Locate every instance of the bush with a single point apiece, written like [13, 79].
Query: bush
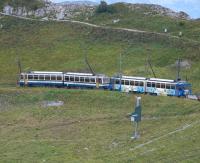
[104, 7]
[181, 23]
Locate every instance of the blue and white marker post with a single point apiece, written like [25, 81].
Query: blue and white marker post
[136, 117]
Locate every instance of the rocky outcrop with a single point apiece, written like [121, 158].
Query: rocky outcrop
[152, 9]
[84, 9]
[65, 10]
[23, 11]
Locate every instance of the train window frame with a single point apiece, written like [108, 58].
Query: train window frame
[47, 77]
[67, 78]
[71, 78]
[100, 80]
[141, 84]
[106, 80]
[36, 77]
[122, 82]
[168, 86]
[30, 77]
[117, 81]
[157, 85]
[163, 85]
[59, 78]
[127, 82]
[153, 84]
[149, 84]
[53, 77]
[136, 83]
[76, 79]
[41, 77]
[92, 80]
[172, 86]
[22, 77]
[82, 79]
[87, 79]
[132, 82]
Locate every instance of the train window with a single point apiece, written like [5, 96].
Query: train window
[77, 79]
[117, 81]
[87, 80]
[141, 84]
[122, 82]
[106, 80]
[21, 76]
[100, 80]
[71, 78]
[167, 86]
[172, 86]
[148, 84]
[53, 77]
[47, 77]
[92, 80]
[35, 77]
[136, 83]
[153, 85]
[81, 79]
[30, 77]
[131, 82]
[66, 78]
[59, 77]
[157, 85]
[41, 77]
[163, 85]
[126, 82]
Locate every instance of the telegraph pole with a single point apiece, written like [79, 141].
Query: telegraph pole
[136, 118]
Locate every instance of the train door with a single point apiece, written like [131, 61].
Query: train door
[112, 84]
[179, 90]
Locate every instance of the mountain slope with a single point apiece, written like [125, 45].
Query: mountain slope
[60, 47]
[94, 125]
[148, 17]
[96, 128]
[85, 3]
[30, 4]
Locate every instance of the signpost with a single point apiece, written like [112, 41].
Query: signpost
[136, 117]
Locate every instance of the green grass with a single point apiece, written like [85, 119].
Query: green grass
[93, 126]
[96, 128]
[153, 22]
[53, 46]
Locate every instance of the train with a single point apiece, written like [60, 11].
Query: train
[153, 86]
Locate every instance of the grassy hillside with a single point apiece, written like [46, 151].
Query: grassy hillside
[144, 18]
[54, 46]
[97, 128]
[92, 125]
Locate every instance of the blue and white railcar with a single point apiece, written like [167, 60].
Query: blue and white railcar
[129, 84]
[86, 80]
[41, 78]
[168, 87]
[60, 79]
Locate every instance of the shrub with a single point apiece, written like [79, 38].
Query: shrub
[104, 7]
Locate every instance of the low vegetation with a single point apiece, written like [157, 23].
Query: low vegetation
[53, 46]
[144, 18]
[93, 125]
[97, 128]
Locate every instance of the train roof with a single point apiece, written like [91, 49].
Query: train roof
[77, 73]
[134, 77]
[45, 72]
[161, 80]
